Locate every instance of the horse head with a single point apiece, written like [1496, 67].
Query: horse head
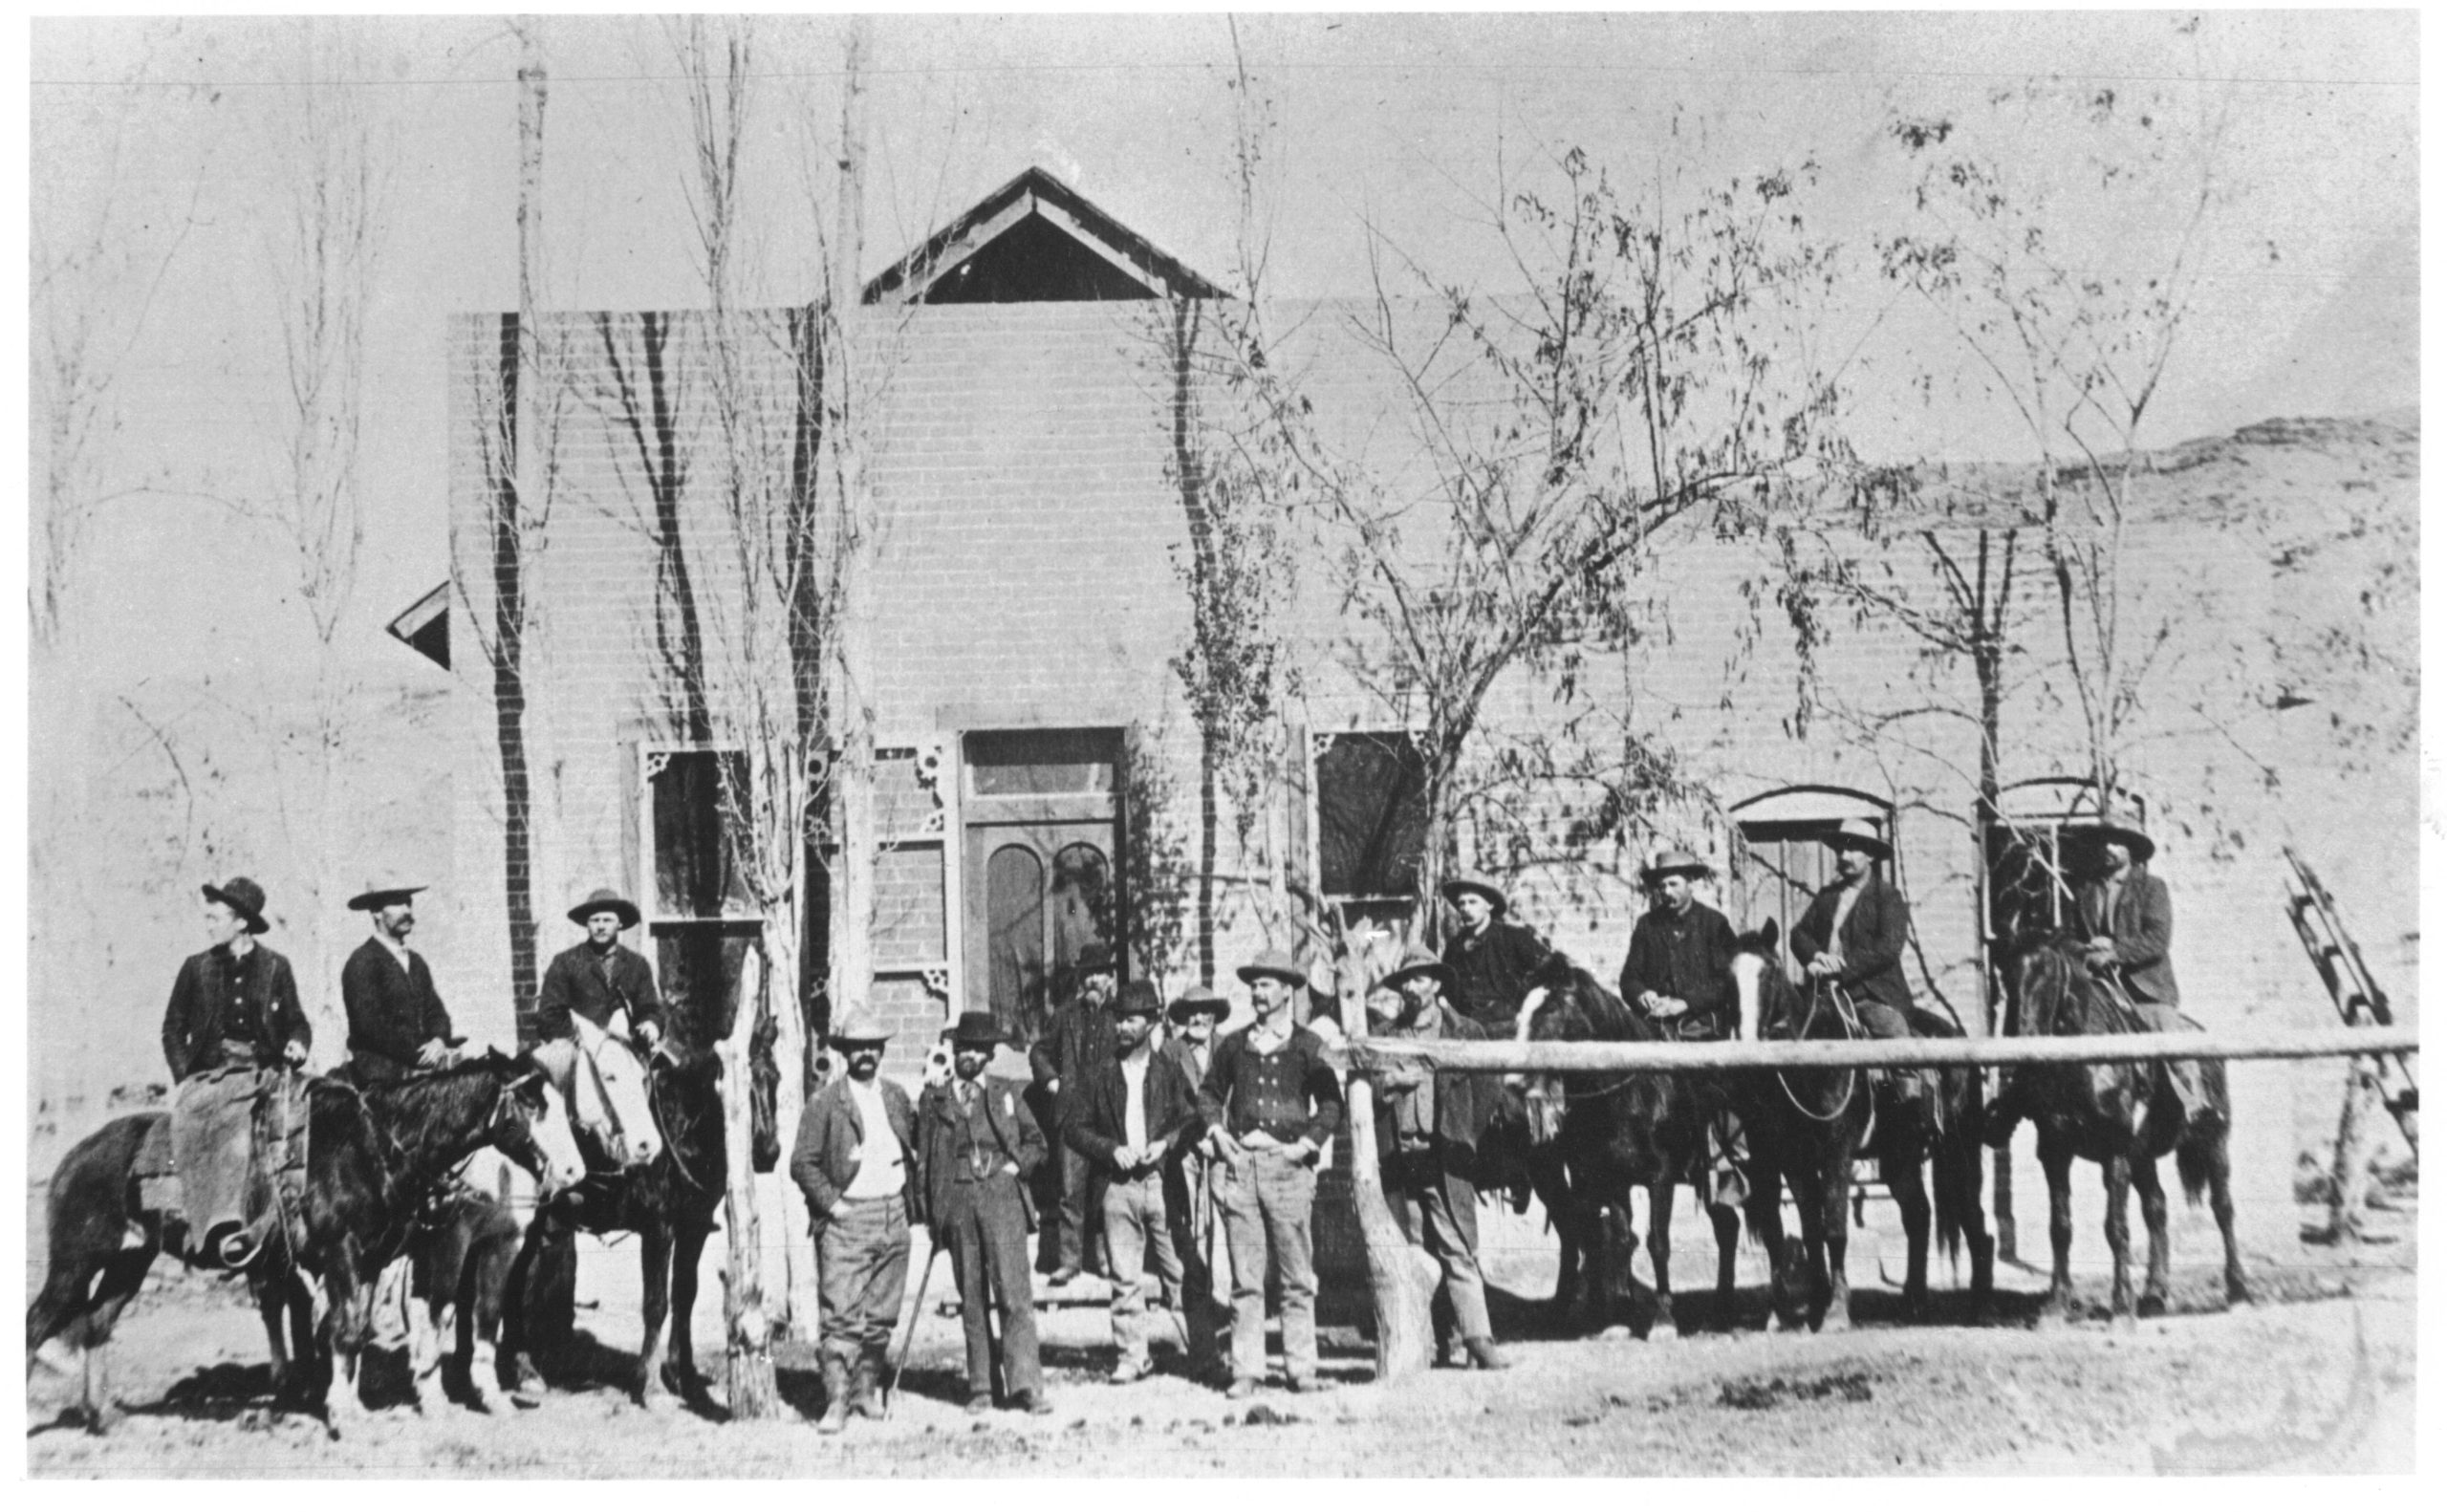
[1758, 972]
[1566, 1003]
[539, 1136]
[613, 1103]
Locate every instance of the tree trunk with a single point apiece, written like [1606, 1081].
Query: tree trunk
[747, 1352]
[1403, 1330]
[2350, 1175]
[802, 1305]
[1989, 664]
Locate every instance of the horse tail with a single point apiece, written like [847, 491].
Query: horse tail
[2196, 1148]
[1956, 1167]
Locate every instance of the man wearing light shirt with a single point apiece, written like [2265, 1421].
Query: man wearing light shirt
[397, 1025]
[1132, 1111]
[852, 1161]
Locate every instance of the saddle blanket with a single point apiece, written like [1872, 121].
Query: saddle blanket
[227, 1162]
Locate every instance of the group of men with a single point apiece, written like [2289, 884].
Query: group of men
[1173, 1137]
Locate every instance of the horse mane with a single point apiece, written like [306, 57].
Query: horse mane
[2056, 995]
[1608, 1016]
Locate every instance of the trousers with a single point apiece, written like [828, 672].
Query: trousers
[1426, 1205]
[1137, 1230]
[1267, 1199]
[987, 1230]
[862, 1268]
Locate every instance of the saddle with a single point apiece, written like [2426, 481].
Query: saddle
[244, 1134]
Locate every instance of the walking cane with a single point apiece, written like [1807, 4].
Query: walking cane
[901, 1357]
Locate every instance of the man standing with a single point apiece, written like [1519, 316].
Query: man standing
[1493, 960]
[1272, 1103]
[1189, 1198]
[1680, 968]
[1132, 1112]
[977, 1146]
[1853, 935]
[598, 980]
[1079, 1036]
[1428, 1129]
[234, 1016]
[397, 1025]
[853, 1161]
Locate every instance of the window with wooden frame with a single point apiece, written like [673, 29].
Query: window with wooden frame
[1371, 821]
[700, 913]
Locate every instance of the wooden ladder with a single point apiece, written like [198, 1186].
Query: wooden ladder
[2359, 1000]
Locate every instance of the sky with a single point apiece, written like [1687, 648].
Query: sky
[1418, 126]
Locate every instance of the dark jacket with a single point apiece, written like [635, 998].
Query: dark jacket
[217, 999]
[1875, 934]
[1466, 1102]
[1181, 1053]
[575, 984]
[1231, 1089]
[1689, 957]
[940, 1142]
[391, 1013]
[1078, 1039]
[825, 1160]
[2143, 928]
[1492, 971]
[1102, 1117]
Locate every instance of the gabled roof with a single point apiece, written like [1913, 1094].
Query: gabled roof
[425, 625]
[1036, 238]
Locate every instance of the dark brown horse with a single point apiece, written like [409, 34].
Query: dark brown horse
[373, 1158]
[1616, 1133]
[1812, 1125]
[669, 1204]
[2089, 1111]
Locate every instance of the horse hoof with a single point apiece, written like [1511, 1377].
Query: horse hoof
[658, 1401]
[2239, 1295]
[1615, 1334]
[1662, 1333]
[2151, 1307]
[1835, 1322]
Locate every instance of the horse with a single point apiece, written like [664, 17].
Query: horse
[1615, 1133]
[2088, 1111]
[372, 1158]
[460, 1265]
[669, 1202]
[1814, 1124]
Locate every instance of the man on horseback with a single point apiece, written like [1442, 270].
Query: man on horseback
[397, 1025]
[1680, 968]
[233, 1020]
[855, 1162]
[598, 980]
[2123, 913]
[1493, 959]
[1428, 1130]
[1853, 939]
[1272, 1105]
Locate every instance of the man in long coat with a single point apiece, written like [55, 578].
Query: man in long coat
[1854, 935]
[234, 1016]
[977, 1146]
[1428, 1129]
[1189, 1198]
[396, 1025]
[1679, 967]
[1079, 1036]
[1493, 959]
[855, 1161]
[1131, 1115]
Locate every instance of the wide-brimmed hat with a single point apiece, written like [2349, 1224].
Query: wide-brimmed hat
[1094, 957]
[380, 897]
[1859, 834]
[976, 1029]
[1418, 960]
[604, 901]
[1483, 885]
[1672, 863]
[1199, 998]
[1275, 961]
[1135, 997]
[861, 1028]
[244, 899]
[2125, 830]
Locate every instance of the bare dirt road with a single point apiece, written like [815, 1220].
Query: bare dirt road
[2319, 1377]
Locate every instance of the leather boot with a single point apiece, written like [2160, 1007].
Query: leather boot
[863, 1399]
[1483, 1356]
[836, 1395]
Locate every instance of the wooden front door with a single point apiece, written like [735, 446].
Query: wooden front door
[1041, 836]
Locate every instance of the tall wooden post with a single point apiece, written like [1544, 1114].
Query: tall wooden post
[1402, 1326]
[747, 1352]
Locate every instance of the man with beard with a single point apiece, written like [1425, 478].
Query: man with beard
[1079, 1036]
[1853, 938]
[855, 1162]
[977, 1146]
[1132, 1112]
[1680, 968]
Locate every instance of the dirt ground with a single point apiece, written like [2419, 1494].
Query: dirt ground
[2319, 1377]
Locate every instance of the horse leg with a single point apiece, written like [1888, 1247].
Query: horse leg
[689, 1250]
[486, 1284]
[1660, 1257]
[654, 1259]
[516, 1305]
[2058, 1163]
[272, 1303]
[1836, 1193]
[345, 1335]
[2154, 1217]
[2221, 1207]
[2116, 1174]
[1902, 1177]
[1728, 1226]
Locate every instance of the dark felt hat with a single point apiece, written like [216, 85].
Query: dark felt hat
[1199, 998]
[380, 897]
[1135, 997]
[1094, 957]
[1275, 961]
[1859, 834]
[1418, 960]
[604, 901]
[2124, 830]
[244, 899]
[976, 1029]
[1483, 885]
[1672, 863]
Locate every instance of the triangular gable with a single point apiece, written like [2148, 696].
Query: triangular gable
[1036, 238]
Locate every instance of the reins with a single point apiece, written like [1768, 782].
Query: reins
[1845, 1015]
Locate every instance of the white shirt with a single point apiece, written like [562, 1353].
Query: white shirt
[879, 1163]
[1134, 1117]
[395, 948]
